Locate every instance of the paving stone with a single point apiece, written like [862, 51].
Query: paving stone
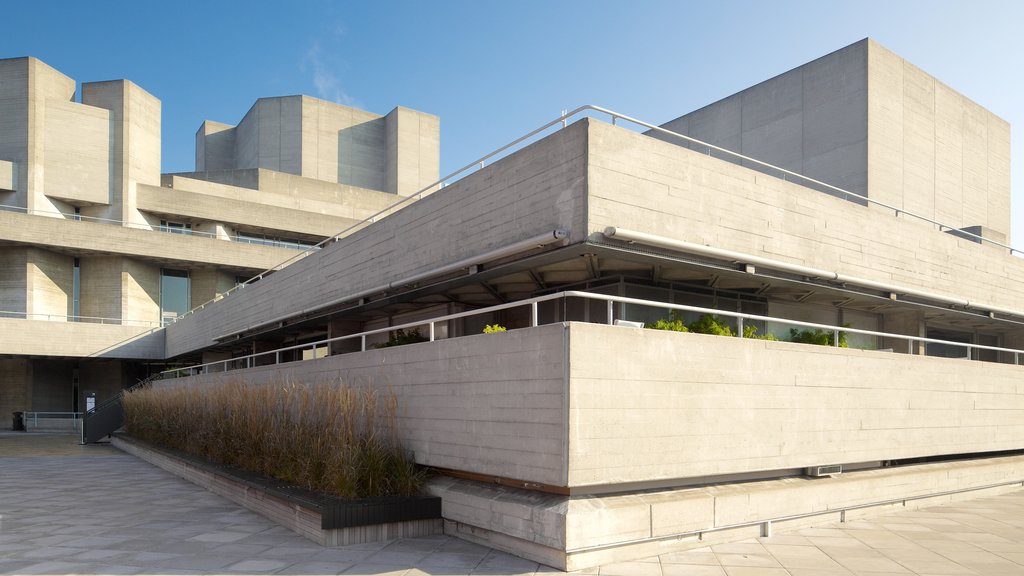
[97, 522]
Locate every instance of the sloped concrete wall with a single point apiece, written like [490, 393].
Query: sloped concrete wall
[533, 191]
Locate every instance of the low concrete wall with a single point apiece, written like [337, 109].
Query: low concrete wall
[79, 339]
[490, 404]
[606, 408]
[648, 406]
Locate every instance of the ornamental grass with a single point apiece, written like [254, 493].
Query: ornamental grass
[328, 438]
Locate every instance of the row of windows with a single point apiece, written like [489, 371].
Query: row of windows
[173, 227]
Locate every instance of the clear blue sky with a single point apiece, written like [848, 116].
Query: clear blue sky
[493, 71]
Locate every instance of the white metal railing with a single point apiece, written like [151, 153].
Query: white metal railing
[740, 318]
[70, 421]
[77, 319]
[563, 121]
[241, 238]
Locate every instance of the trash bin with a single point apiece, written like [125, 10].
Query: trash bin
[19, 422]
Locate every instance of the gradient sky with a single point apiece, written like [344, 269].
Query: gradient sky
[494, 71]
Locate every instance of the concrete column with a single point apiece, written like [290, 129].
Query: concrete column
[341, 327]
[263, 346]
[910, 323]
[49, 284]
[209, 284]
[104, 377]
[121, 288]
[52, 385]
[15, 388]
[13, 281]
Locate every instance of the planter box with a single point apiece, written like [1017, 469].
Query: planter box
[326, 520]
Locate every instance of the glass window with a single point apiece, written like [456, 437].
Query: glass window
[76, 291]
[175, 227]
[948, 350]
[175, 297]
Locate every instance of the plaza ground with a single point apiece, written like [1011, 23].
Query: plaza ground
[72, 509]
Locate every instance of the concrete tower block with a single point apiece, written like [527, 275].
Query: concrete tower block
[134, 141]
[27, 86]
[867, 121]
[77, 153]
[215, 146]
[933, 151]
[414, 150]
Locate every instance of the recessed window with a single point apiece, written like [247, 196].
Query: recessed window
[175, 227]
[76, 291]
[175, 297]
[264, 240]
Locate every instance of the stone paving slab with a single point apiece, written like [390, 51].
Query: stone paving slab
[70, 509]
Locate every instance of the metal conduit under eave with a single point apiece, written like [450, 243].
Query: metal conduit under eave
[537, 241]
[633, 236]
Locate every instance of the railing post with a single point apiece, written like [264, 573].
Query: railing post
[277, 357]
[533, 314]
[739, 326]
[611, 312]
[836, 336]
[362, 340]
[910, 347]
[431, 331]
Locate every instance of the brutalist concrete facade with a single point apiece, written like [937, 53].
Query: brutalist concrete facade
[577, 444]
[89, 227]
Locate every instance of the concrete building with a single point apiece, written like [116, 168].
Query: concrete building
[854, 195]
[98, 249]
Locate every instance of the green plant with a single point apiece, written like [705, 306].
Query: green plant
[673, 323]
[817, 336]
[493, 328]
[711, 324]
[329, 438]
[706, 324]
[751, 332]
[400, 338]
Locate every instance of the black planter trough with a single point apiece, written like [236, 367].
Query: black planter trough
[394, 516]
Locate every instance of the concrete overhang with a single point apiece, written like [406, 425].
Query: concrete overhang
[91, 238]
[41, 338]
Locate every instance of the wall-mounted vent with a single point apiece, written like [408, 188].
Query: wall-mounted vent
[821, 471]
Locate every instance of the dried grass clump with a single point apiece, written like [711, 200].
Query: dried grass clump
[329, 438]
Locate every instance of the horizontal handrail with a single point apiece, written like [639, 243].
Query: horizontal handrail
[766, 524]
[55, 415]
[249, 360]
[79, 319]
